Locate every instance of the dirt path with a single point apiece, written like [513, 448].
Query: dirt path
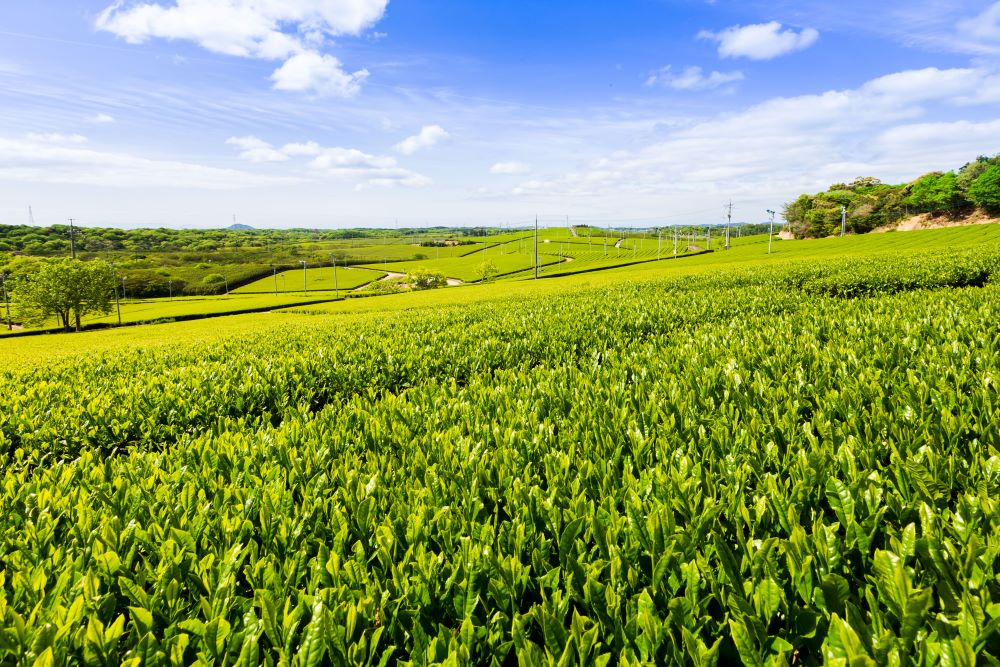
[572, 230]
[618, 243]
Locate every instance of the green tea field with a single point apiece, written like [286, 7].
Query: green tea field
[724, 458]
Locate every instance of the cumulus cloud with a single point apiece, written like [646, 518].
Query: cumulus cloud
[786, 146]
[39, 159]
[368, 170]
[692, 78]
[364, 169]
[760, 41]
[319, 73]
[257, 150]
[512, 167]
[103, 119]
[427, 137]
[288, 30]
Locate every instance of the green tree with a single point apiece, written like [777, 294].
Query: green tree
[985, 190]
[422, 278]
[65, 288]
[935, 191]
[487, 269]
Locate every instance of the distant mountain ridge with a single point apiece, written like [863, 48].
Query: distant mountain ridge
[239, 227]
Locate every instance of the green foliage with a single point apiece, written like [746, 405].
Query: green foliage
[935, 191]
[719, 469]
[487, 269]
[871, 203]
[66, 289]
[213, 279]
[985, 190]
[423, 278]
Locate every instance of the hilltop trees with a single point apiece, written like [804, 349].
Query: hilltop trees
[985, 190]
[65, 288]
[870, 203]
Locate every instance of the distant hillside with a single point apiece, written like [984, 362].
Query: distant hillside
[971, 194]
[239, 227]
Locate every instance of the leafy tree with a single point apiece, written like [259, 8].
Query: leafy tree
[213, 279]
[426, 279]
[935, 191]
[487, 269]
[985, 190]
[970, 171]
[65, 288]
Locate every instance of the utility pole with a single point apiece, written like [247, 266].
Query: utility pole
[674, 230]
[114, 277]
[305, 290]
[170, 287]
[708, 238]
[843, 220]
[536, 247]
[226, 278]
[770, 235]
[729, 220]
[274, 270]
[336, 288]
[659, 241]
[6, 300]
[72, 241]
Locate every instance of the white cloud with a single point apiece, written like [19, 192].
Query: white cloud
[427, 137]
[350, 164]
[692, 78]
[289, 30]
[37, 159]
[982, 30]
[368, 170]
[785, 146]
[513, 167]
[103, 119]
[320, 73]
[308, 148]
[760, 41]
[56, 138]
[257, 150]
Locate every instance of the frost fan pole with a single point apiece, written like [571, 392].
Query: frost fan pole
[72, 241]
[536, 247]
[770, 236]
[6, 300]
[336, 286]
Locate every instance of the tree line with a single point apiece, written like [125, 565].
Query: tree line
[869, 203]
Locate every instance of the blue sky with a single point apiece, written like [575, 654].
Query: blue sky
[331, 113]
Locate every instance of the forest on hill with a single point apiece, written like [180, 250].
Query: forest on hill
[869, 203]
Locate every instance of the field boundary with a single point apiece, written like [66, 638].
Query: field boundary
[97, 326]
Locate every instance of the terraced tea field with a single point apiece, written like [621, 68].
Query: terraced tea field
[784, 460]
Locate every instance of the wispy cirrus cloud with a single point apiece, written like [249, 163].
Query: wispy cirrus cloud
[62, 159]
[793, 144]
[692, 78]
